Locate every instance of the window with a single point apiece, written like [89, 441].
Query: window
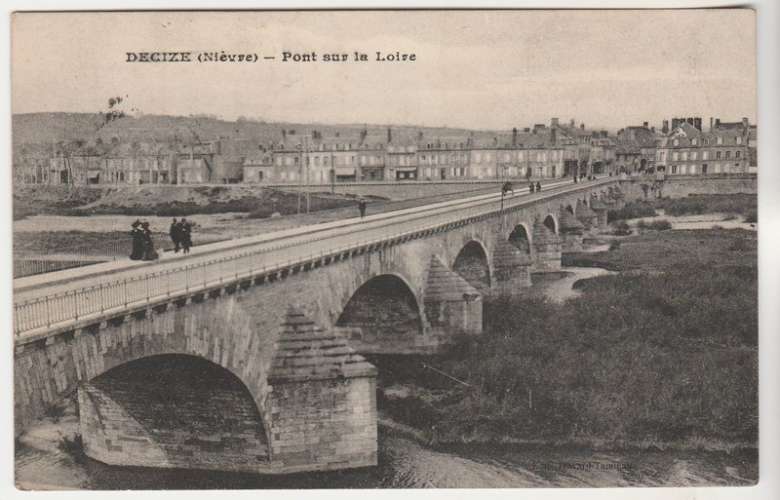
[675, 156]
[677, 142]
[705, 155]
[738, 154]
[739, 140]
[717, 155]
[694, 141]
[720, 140]
[684, 155]
[694, 155]
[728, 155]
[674, 169]
[704, 169]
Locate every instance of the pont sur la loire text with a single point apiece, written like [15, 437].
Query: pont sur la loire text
[252, 57]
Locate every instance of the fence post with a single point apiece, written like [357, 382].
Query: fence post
[125, 290]
[148, 292]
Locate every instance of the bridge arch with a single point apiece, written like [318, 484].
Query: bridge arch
[383, 308]
[551, 221]
[156, 407]
[520, 237]
[473, 264]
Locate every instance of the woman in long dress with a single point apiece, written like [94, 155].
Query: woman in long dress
[138, 241]
[149, 251]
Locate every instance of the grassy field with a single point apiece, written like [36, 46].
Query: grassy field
[664, 352]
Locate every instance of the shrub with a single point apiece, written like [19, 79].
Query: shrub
[632, 210]
[54, 411]
[712, 203]
[656, 225]
[73, 447]
[614, 245]
[621, 228]
[751, 217]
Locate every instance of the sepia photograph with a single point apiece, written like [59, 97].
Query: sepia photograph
[393, 248]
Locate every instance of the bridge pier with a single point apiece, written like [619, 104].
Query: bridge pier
[322, 401]
[547, 248]
[452, 306]
[600, 209]
[587, 217]
[572, 232]
[512, 269]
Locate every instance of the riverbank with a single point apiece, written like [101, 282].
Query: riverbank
[661, 355]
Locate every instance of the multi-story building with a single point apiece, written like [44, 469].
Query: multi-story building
[689, 151]
[439, 161]
[635, 149]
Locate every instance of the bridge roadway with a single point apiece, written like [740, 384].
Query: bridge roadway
[50, 303]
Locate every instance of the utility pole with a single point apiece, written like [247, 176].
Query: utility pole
[306, 154]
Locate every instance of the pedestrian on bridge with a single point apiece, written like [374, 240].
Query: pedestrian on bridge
[185, 235]
[362, 207]
[138, 241]
[149, 252]
[538, 186]
[175, 232]
[531, 187]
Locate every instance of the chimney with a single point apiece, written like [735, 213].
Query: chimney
[665, 127]
[514, 136]
[675, 123]
[745, 123]
[582, 126]
[697, 123]
[526, 129]
[644, 124]
[717, 122]
[554, 135]
[554, 122]
[652, 129]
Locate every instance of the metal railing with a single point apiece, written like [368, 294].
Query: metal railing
[152, 283]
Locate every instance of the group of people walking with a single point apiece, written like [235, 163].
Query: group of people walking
[181, 235]
[143, 244]
[583, 176]
[534, 188]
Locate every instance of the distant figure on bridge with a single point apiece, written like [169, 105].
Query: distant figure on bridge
[538, 186]
[175, 232]
[507, 188]
[362, 207]
[138, 241]
[531, 187]
[149, 252]
[185, 235]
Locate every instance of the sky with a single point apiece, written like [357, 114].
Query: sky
[473, 69]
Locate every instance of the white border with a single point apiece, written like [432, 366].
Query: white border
[768, 15]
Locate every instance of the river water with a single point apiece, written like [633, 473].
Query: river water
[404, 462]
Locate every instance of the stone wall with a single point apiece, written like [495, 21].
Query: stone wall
[682, 186]
[323, 424]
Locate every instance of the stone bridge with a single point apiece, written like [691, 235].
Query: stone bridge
[272, 327]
